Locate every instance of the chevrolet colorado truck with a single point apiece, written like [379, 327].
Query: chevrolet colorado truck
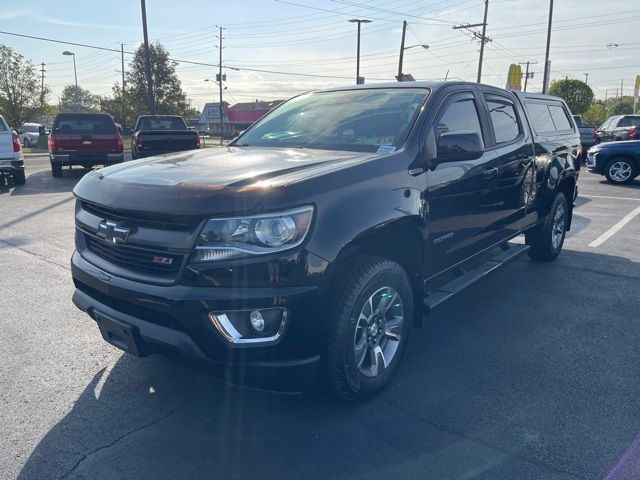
[312, 244]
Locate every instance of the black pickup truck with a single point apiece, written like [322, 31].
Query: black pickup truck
[319, 237]
[158, 134]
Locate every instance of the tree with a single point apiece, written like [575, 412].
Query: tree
[20, 92]
[595, 115]
[121, 107]
[577, 94]
[620, 106]
[80, 100]
[167, 91]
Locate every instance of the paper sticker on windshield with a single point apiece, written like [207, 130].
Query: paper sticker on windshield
[384, 140]
[386, 149]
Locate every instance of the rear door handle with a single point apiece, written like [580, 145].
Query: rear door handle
[490, 172]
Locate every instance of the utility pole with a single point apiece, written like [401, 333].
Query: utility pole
[621, 87]
[147, 60]
[480, 36]
[483, 41]
[527, 74]
[220, 85]
[545, 80]
[42, 85]
[586, 78]
[404, 32]
[122, 60]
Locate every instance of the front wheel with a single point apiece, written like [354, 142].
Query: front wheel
[369, 328]
[620, 171]
[546, 240]
[26, 143]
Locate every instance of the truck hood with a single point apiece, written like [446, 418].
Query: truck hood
[223, 180]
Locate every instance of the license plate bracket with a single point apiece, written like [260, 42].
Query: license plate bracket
[119, 334]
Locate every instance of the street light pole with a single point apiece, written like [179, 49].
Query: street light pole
[358, 21]
[404, 32]
[75, 74]
[545, 80]
[220, 85]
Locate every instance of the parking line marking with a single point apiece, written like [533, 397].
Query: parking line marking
[613, 230]
[611, 198]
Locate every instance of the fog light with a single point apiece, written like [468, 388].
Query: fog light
[250, 327]
[257, 321]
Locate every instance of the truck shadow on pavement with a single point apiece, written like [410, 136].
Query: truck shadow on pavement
[532, 373]
[43, 182]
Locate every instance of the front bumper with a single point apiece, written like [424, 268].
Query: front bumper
[172, 321]
[594, 164]
[87, 160]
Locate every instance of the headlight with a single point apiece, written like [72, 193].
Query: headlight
[228, 238]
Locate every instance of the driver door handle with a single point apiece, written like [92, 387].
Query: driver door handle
[490, 172]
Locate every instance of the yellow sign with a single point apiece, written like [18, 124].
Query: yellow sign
[636, 92]
[514, 78]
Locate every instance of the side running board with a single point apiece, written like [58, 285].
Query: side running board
[445, 292]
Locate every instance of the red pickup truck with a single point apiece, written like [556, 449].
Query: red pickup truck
[84, 139]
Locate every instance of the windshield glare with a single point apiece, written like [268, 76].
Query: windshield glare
[351, 120]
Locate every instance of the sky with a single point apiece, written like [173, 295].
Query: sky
[311, 44]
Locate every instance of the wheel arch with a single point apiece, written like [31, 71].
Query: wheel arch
[401, 241]
[567, 186]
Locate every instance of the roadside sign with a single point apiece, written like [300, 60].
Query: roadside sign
[636, 92]
[514, 78]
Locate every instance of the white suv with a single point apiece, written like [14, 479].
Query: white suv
[30, 133]
[11, 158]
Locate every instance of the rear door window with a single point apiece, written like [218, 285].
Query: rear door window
[540, 117]
[504, 118]
[629, 122]
[560, 118]
[94, 124]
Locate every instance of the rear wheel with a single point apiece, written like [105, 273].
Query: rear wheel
[19, 177]
[56, 170]
[369, 329]
[546, 240]
[620, 171]
[26, 143]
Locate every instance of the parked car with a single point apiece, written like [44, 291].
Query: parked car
[84, 139]
[158, 134]
[30, 134]
[618, 161]
[11, 158]
[319, 237]
[618, 128]
[587, 135]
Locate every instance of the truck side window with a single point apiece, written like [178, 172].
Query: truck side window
[540, 117]
[560, 118]
[460, 116]
[504, 119]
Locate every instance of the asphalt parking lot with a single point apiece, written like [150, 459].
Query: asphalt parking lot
[531, 374]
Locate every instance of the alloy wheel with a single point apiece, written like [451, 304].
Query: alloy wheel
[559, 226]
[378, 332]
[620, 171]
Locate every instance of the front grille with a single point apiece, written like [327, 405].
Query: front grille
[135, 258]
[144, 219]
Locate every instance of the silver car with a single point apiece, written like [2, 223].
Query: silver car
[30, 132]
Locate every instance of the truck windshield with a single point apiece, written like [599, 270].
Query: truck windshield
[352, 120]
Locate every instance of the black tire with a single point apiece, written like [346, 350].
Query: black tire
[367, 276]
[26, 143]
[19, 178]
[541, 239]
[620, 171]
[56, 170]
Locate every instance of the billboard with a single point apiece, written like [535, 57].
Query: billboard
[514, 78]
[211, 113]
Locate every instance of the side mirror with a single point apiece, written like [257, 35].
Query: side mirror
[459, 146]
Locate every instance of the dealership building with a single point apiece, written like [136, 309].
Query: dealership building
[237, 117]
